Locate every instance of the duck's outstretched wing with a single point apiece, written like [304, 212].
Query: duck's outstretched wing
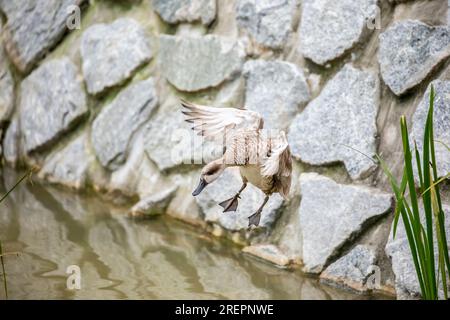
[211, 121]
[279, 165]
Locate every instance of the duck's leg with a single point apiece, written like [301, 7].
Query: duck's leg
[232, 203]
[254, 218]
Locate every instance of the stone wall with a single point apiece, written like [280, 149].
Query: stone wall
[97, 109]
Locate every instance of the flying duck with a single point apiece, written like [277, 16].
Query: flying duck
[263, 156]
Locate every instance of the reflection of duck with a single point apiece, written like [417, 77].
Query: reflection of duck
[264, 159]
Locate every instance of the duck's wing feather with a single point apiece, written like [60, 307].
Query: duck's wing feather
[212, 121]
[279, 165]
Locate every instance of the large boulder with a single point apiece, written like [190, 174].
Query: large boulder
[69, 166]
[340, 124]
[275, 89]
[171, 143]
[269, 22]
[329, 28]
[441, 124]
[227, 186]
[34, 27]
[6, 88]
[332, 214]
[114, 127]
[175, 11]
[11, 143]
[154, 204]
[353, 270]
[112, 52]
[52, 100]
[196, 63]
[409, 50]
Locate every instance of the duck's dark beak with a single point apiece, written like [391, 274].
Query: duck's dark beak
[201, 185]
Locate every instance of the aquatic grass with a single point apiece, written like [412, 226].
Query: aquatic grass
[3, 254]
[410, 195]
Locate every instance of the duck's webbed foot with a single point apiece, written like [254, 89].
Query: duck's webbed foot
[230, 204]
[256, 217]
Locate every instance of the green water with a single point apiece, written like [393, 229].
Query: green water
[121, 258]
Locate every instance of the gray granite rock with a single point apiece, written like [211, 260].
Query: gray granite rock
[52, 101]
[408, 52]
[69, 166]
[352, 270]
[441, 124]
[154, 204]
[406, 283]
[175, 11]
[275, 89]
[163, 139]
[6, 88]
[269, 22]
[332, 214]
[170, 142]
[196, 63]
[340, 124]
[329, 28]
[11, 145]
[227, 186]
[34, 27]
[117, 122]
[112, 52]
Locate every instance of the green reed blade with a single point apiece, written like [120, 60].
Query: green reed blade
[424, 256]
[427, 139]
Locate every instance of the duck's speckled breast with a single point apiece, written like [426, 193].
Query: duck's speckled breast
[252, 173]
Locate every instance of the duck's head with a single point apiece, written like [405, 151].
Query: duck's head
[209, 173]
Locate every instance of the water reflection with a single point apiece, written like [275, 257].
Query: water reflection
[122, 258]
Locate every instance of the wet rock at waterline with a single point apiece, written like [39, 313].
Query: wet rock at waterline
[196, 63]
[406, 283]
[269, 22]
[331, 214]
[34, 27]
[70, 165]
[275, 89]
[227, 186]
[329, 28]
[441, 121]
[112, 52]
[340, 124]
[114, 127]
[352, 270]
[408, 52]
[268, 252]
[154, 204]
[6, 88]
[175, 11]
[52, 102]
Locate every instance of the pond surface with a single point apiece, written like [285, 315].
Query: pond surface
[121, 258]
